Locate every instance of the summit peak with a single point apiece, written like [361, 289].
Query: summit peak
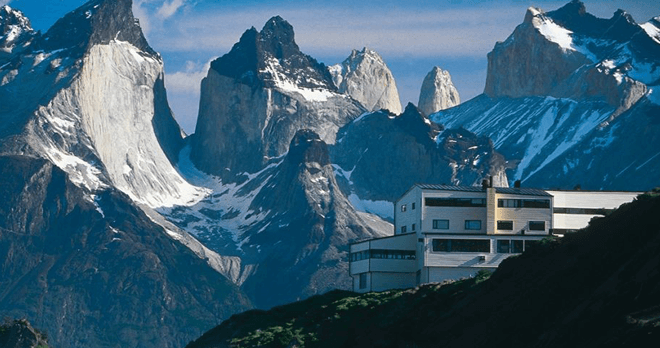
[97, 22]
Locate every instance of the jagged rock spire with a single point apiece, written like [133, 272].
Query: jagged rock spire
[365, 77]
[97, 22]
[438, 92]
[250, 58]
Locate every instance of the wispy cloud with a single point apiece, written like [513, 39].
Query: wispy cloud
[4, 2]
[169, 8]
[453, 32]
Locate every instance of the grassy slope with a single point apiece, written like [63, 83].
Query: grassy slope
[599, 287]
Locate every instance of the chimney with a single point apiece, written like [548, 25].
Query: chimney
[491, 181]
[484, 184]
[516, 184]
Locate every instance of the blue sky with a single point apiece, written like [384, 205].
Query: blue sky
[412, 36]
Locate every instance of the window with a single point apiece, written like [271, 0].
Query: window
[455, 202]
[383, 254]
[404, 229]
[461, 245]
[440, 224]
[363, 280]
[516, 246]
[360, 255]
[507, 246]
[403, 208]
[505, 225]
[537, 225]
[392, 254]
[413, 206]
[503, 246]
[472, 224]
[523, 203]
[413, 227]
[587, 211]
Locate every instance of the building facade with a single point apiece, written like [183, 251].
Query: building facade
[449, 232]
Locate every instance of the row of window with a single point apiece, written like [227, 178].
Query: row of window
[480, 202]
[443, 224]
[506, 225]
[383, 254]
[479, 245]
[586, 211]
[454, 202]
[523, 203]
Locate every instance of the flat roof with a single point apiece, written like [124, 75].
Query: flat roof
[505, 190]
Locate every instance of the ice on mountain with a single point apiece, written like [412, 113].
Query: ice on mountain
[553, 32]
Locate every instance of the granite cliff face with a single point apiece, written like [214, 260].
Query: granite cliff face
[564, 110]
[257, 96]
[89, 96]
[438, 92]
[569, 53]
[365, 77]
[379, 156]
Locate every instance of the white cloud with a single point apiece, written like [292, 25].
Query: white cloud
[4, 2]
[188, 80]
[169, 8]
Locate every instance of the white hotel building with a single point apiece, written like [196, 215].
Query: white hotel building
[450, 232]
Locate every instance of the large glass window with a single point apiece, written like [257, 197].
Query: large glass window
[472, 224]
[503, 246]
[383, 254]
[510, 246]
[523, 203]
[440, 224]
[516, 246]
[537, 225]
[461, 245]
[455, 202]
[363, 280]
[505, 225]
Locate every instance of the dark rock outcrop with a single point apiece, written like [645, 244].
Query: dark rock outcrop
[98, 272]
[97, 22]
[301, 244]
[20, 334]
[382, 155]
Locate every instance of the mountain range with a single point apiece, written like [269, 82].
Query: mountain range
[118, 230]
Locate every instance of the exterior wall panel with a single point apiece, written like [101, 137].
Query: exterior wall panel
[386, 281]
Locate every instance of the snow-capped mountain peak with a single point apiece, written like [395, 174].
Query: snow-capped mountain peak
[549, 29]
[15, 29]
